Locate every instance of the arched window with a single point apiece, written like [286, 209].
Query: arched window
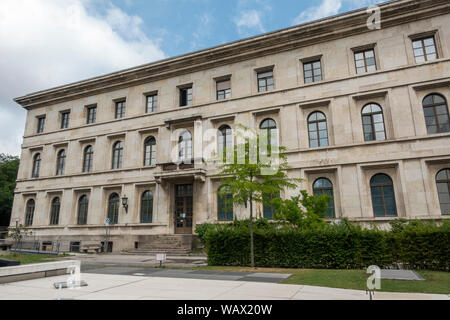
[317, 127]
[269, 131]
[36, 166]
[29, 214]
[383, 196]
[88, 158]
[113, 208]
[324, 186]
[83, 205]
[147, 207]
[117, 155]
[224, 204]
[61, 162]
[435, 109]
[54, 214]
[373, 123]
[150, 151]
[268, 208]
[443, 186]
[185, 146]
[224, 141]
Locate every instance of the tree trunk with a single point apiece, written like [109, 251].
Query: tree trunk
[252, 247]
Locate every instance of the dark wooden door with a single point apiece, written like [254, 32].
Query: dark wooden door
[183, 208]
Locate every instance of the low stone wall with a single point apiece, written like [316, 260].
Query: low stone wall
[37, 270]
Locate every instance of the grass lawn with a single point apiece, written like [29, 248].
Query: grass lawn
[435, 281]
[31, 258]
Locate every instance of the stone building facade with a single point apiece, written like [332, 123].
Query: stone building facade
[363, 113]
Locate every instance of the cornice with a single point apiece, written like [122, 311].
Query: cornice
[352, 23]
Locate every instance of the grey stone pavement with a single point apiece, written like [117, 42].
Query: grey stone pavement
[126, 287]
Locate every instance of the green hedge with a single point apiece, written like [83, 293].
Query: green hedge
[331, 247]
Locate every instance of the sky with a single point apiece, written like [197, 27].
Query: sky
[47, 43]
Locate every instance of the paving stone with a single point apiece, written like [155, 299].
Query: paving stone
[401, 275]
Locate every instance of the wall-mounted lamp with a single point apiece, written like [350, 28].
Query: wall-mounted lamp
[125, 203]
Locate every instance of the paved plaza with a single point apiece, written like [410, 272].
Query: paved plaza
[138, 287]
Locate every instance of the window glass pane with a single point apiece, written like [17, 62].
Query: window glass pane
[360, 63]
[307, 66]
[371, 68]
[420, 59]
[380, 136]
[369, 54]
[429, 42]
[417, 44]
[359, 56]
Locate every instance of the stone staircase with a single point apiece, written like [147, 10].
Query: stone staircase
[169, 244]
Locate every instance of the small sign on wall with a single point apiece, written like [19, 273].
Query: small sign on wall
[161, 257]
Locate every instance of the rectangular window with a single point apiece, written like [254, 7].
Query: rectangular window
[223, 88]
[365, 61]
[65, 116]
[152, 103]
[75, 247]
[185, 97]
[120, 109]
[41, 124]
[265, 81]
[312, 71]
[91, 115]
[425, 49]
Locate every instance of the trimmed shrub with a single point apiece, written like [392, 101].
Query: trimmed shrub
[345, 246]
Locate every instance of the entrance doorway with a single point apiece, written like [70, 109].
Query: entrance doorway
[183, 208]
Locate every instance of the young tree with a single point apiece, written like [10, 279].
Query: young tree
[9, 166]
[256, 169]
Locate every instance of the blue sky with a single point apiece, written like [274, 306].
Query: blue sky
[48, 43]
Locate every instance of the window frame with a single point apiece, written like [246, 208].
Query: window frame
[65, 119]
[382, 186]
[152, 152]
[36, 166]
[88, 159]
[61, 162]
[226, 92]
[113, 208]
[55, 211]
[321, 191]
[423, 48]
[313, 77]
[364, 52]
[120, 109]
[259, 77]
[187, 90]
[91, 116]
[154, 103]
[224, 140]
[117, 155]
[147, 217]
[316, 122]
[224, 213]
[447, 182]
[372, 122]
[187, 147]
[83, 210]
[41, 124]
[434, 105]
[30, 208]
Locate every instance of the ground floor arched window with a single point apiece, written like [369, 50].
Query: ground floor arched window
[224, 204]
[324, 186]
[147, 207]
[113, 208]
[383, 196]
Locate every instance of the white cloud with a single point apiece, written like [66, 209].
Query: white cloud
[329, 8]
[45, 43]
[249, 21]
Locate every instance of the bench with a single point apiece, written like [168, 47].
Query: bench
[91, 247]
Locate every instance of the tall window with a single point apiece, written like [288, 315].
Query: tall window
[425, 49]
[88, 159]
[41, 124]
[113, 208]
[120, 109]
[224, 141]
[324, 186]
[152, 103]
[185, 96]
[383, 196]
[317, 127]
[185, 146]
[312, 71]
[436, 114]
[117, 155]
[36, 166]
[265, 81]
[54, 214]
[268, 208]
[223, 88]
[29, 214]
[65, 117]
[224, 204]
[443, 186]
[365, 61]
[61, 162]
[83, 206]
[373, 123]
[91, 115]
[147, 207]
[150, 151]
[268, 130]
